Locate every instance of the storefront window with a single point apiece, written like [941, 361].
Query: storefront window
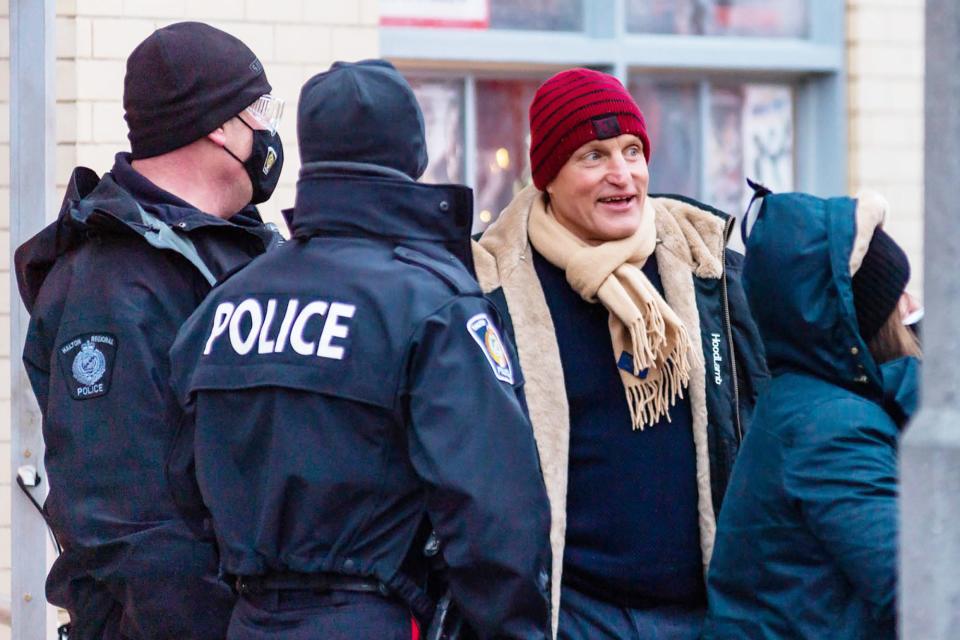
[751, 136]
[702, 151]
[766, 18]
[672, 114]
[442, 105]
[503, 142]
[540, 15]
[532, 15]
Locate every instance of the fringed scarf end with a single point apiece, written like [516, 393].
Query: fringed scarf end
[651, 399]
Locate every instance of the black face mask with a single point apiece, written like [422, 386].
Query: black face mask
[264, 164]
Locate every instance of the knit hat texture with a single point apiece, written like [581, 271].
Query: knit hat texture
[879, 283]
[571, 109]
[184, 81]
[362, 112]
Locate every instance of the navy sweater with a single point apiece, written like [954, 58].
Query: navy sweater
[632, 528]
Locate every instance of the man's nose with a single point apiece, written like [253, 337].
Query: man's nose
[618, 171]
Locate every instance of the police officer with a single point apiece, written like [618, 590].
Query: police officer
[107, 286]
[355, 381]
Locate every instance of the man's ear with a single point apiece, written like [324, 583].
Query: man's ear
[218, 137]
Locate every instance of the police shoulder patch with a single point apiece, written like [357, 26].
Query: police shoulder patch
[483, 331]
[86, 363]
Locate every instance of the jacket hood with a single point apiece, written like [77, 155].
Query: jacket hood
[104, 205]
[362, 112]
[86, 193]
[797, 275]
[337, 198]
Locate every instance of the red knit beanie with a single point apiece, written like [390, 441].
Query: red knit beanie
[571, 109]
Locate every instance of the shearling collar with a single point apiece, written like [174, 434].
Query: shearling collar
[695, 236]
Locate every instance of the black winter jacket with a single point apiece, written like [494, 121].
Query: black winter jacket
[107, 286]
[353, 382]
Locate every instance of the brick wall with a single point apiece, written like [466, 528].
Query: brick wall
[885, 57]
[293, 38]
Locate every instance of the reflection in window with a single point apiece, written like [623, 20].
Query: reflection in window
[751, 135]
[672, 114]
[747, 133]
[767, 18]
[724, 161]
[540, 15]
[442, 105]
[503, 141]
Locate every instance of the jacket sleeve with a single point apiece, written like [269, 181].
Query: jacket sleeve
[181, 462]
[842, 470]
[120, 416]
[182, 477]
[752, 372]
[473, 446]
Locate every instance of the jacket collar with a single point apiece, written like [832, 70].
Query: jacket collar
[168, 207]
[336, 200]
[901, 379]
[94, 204]
[690, 231]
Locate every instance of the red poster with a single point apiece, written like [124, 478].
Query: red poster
[451, 14]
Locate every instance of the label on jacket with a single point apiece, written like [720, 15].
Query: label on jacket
[86, 363]
[483, 331]
[252, 326]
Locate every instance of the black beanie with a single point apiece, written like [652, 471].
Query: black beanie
[879, 283]
[184, 81]
[362, 112]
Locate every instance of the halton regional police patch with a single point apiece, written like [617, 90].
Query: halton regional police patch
[486, 335]
[86, 363]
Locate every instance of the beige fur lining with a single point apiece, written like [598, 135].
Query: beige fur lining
[691, 242]
[679, 291]
[692, 234]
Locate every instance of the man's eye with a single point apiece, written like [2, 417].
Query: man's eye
[591, 156]
[634, 151]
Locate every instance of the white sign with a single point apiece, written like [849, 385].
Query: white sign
[463, 14]
[768, 137]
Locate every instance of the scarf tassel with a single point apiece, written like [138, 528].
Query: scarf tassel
[650, 399]
[647, 341]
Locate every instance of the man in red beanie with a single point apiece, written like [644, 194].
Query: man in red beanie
[640, 357]
[108, 285]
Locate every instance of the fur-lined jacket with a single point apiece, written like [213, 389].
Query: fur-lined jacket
[701, 281]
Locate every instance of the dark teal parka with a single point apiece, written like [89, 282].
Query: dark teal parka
[807, 538]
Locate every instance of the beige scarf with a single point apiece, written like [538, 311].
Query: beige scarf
[641, 322]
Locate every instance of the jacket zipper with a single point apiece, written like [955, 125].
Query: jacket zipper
[729, 327]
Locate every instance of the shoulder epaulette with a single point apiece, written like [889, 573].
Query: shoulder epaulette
[451, 272]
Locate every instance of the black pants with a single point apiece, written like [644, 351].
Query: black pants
[309, 615]
[583, 617]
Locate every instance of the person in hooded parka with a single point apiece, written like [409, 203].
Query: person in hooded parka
[354, 384]
[807, 538]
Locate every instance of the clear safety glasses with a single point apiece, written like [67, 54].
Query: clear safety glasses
[267, 111]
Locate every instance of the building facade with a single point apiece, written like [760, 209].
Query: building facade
[814, 95]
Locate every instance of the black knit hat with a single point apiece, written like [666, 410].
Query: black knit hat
[362, 112]
[879, 283]
[184, 81]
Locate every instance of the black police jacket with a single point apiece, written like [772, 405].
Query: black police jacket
[355, 380]
[107, 286]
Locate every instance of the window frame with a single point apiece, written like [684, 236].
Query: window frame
[814, 66]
